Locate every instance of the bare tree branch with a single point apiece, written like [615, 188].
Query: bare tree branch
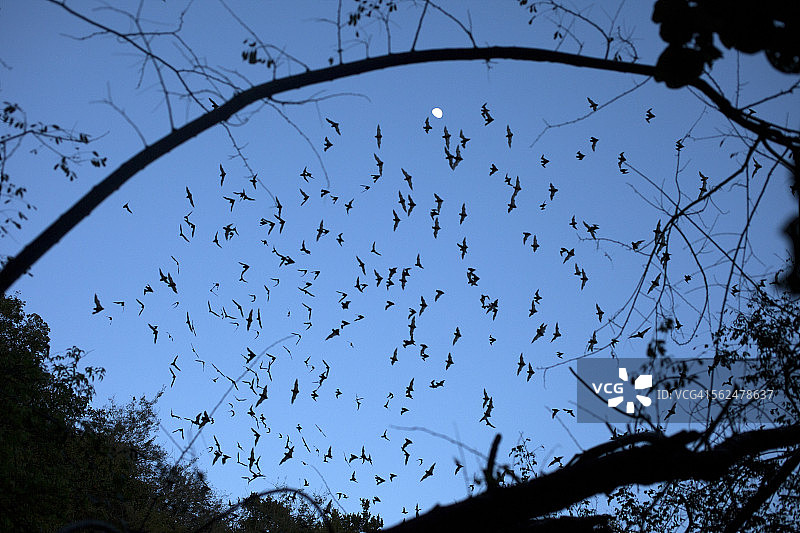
[20, 264]
[765, 491]
[664, 459]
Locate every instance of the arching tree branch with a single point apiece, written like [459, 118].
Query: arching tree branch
[18, 265]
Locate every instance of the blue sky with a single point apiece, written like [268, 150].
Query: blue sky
[115, 254]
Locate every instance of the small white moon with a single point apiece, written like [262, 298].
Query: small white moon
[436, 112]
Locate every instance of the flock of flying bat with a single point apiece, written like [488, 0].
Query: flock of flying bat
[252, 391]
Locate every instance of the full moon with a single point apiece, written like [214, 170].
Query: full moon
[436, 112]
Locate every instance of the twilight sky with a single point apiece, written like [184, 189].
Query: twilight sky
[99, 85]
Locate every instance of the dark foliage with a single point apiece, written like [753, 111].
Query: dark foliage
[759, 491]
[66, 464]
[688, 27]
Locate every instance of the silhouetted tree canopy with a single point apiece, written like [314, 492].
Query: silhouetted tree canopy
[689, 27]
[65, 463]
[759, 492]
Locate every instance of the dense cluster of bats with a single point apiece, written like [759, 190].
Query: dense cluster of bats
[256, 395]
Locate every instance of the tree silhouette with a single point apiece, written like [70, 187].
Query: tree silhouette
[68, 464]
[755, 493]
[726, 452]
